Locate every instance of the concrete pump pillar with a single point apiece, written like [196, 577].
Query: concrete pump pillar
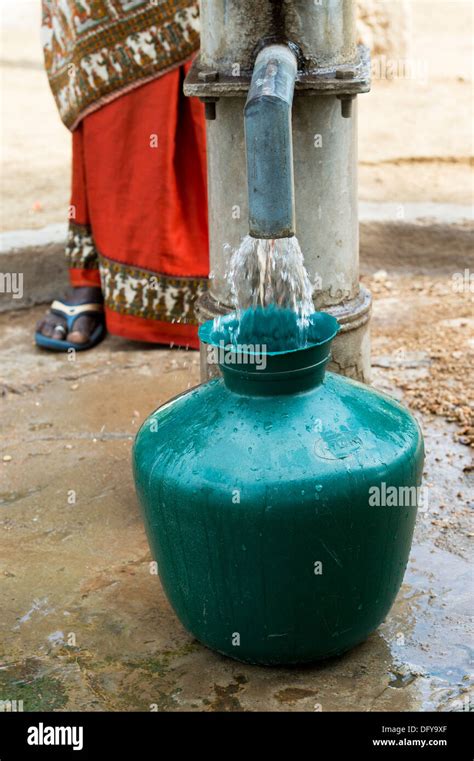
[332, 70]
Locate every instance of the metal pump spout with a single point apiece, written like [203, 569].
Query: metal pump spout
[269, 146]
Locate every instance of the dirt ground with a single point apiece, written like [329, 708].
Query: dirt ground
[414, 132]
[86, 626]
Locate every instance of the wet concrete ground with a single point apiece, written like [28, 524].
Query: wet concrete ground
[85, 625]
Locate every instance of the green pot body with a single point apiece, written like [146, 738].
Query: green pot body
[259, 504]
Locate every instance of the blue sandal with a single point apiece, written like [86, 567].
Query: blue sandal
[71, 312]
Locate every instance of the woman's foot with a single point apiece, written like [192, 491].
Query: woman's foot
[55, 325]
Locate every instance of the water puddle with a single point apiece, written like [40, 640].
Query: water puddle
[428, 630]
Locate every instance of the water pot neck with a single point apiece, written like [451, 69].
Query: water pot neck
[274, 378]
[271, 357]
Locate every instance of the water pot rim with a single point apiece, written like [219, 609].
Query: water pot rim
[326, 321]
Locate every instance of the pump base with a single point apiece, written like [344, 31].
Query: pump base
[350, 349]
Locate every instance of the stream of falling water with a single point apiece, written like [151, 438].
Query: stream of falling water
[271, 273]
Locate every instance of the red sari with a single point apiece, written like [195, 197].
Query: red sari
[138, 215]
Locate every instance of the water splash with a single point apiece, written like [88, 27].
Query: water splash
[266, 273]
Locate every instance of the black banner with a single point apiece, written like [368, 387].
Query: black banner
[143, 735]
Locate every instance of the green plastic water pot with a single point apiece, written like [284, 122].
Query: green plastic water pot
[264, 496]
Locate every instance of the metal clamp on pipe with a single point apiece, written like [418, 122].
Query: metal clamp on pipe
[269, 145]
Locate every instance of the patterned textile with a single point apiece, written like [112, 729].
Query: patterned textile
[133, 290]
[95, 50]
[80, 247]
[140, 293]
[138, 211]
